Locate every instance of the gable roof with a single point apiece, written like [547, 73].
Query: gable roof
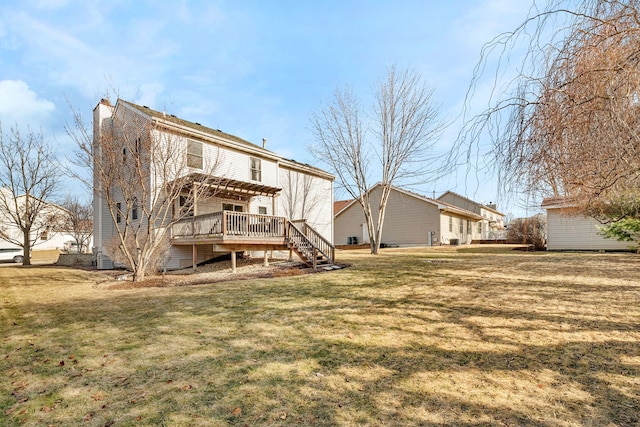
[197, 127]
[483, 206]
[442, 206]
[172, 122]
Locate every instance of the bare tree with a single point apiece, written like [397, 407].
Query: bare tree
[299, 196]
[568, 124]
[78, 219]
[531, 231]
[404, 127]
[28, 178]
[141, 175]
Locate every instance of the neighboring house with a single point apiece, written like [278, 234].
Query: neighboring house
[568, 230]
[491, 227]
[46, 233]
[410, 220]
[254, 208]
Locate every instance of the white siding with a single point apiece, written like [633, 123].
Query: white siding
[306, 196]
[454, 226]
[573, 232]
[236, 165]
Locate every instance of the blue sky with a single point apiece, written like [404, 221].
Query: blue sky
[255, 69]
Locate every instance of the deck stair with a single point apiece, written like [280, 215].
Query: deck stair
[313, 249]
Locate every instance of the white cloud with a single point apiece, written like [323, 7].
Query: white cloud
[50, 4]
[148, 94]
[20, 105]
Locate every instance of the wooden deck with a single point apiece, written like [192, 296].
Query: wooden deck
[231, 228]
[240, 231]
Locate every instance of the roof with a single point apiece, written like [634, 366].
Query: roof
[483, 206]
[338, 205]
[561, 202]
[218, 135]
[171, 118]
[442, 206]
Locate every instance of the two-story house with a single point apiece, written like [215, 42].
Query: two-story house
[258, 201]
[490, 227]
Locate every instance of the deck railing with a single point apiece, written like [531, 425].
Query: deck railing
[229, 223]
[299, 229]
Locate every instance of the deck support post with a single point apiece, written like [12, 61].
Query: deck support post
[233, 262]
[194, 257]
[315, 259]
[266, 258]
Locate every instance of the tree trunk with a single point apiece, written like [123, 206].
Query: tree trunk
[26, 246]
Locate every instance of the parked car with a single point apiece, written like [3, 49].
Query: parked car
[71, 247]
[11, 254]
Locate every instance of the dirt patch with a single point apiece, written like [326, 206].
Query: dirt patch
[211, 273]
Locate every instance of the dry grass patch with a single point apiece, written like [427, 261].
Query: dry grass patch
[411, 337]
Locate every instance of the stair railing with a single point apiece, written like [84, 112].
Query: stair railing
[305, 235]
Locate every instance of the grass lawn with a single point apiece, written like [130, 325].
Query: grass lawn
[430, 337]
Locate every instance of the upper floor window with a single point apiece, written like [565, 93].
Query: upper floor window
[450, 224]
[256, 169]
[134, 210]
[262, 210]
[194, 154]
[118, 210]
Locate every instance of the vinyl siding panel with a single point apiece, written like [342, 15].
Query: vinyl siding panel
[308, 197]
[572, 232]
[408, 220]
[237, 165]
[463, 237]
[460, 202]
[348, 224]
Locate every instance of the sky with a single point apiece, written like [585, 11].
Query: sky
[255, 69]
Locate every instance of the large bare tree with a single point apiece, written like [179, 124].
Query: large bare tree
[568, 124]
[393, 143]
[28, 178]
[140, 173]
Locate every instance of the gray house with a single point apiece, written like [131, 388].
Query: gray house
[410, 220]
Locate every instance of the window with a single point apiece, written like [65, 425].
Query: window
[232, 207]
[186, 206]
[134, 210]
[262, 210]
[469, 227]
[44, 235]
[480, 227]
[256, 169]
[118, 210]
[451, 224]
[461, 226]
[194, 154]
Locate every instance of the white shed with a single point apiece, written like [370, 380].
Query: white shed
[568, 230]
